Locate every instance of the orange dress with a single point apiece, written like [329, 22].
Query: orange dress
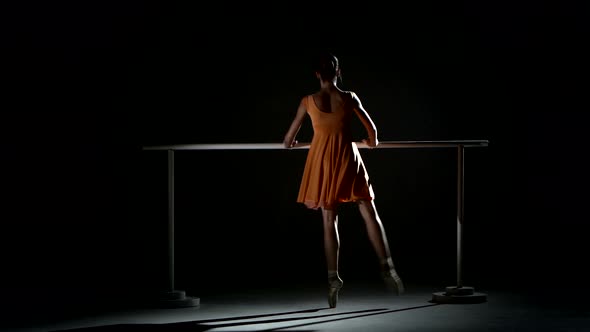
[334, 170]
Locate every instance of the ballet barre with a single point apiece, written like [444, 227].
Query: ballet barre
[280, 146]
[452, 294]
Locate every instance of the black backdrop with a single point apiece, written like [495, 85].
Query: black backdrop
[88, 85]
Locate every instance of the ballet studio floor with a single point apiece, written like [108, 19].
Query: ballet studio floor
[362, 307]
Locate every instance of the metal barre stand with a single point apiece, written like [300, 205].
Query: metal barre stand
[452, 294]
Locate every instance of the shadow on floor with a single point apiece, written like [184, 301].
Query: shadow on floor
[208, 324]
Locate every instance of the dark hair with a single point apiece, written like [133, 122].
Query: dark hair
[327, 66]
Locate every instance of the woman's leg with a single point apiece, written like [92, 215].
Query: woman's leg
[378, 239]
[375, 230]
[331, 250]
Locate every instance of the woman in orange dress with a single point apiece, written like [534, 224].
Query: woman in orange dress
[334, 171]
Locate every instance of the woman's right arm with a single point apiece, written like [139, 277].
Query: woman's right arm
[289, 140]
[372, 140]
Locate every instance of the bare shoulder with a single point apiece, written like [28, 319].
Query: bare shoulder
[303, 100]
[353, 98]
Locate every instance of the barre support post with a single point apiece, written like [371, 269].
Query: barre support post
[173, 298]
[460, 213]
[170, 220]
[459, 293]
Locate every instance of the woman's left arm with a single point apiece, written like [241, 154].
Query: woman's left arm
[289, 139]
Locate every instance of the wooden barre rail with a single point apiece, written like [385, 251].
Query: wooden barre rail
[279, 146]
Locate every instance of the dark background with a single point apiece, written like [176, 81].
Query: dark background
[86, 85]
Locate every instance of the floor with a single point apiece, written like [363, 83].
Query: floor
[362, 307]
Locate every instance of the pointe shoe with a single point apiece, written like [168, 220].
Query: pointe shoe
[393, 282]
[333, 290]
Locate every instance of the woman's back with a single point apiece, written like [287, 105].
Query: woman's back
[330, 113]
[331, 100]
